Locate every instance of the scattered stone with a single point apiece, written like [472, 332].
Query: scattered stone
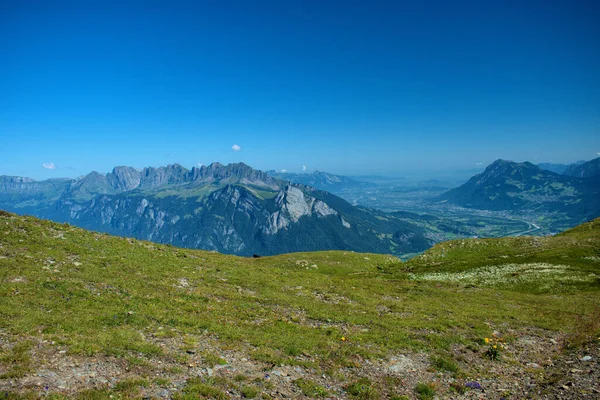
[400, 364]
[567, 386]
[586, 358]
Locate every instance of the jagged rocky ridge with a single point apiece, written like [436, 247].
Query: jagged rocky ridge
[230, 209]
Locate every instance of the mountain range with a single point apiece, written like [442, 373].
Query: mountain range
[238, 210]
[227, 208]
[510, 186]
[322, 180]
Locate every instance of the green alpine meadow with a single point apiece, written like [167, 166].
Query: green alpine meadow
[86, 315]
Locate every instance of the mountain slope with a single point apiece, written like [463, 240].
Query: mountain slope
[558, 168]
[87, 315]
[586, 170]
[230, 209]
[510, 186]
[577, 247]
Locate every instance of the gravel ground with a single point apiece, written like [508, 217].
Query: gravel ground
[535, 365]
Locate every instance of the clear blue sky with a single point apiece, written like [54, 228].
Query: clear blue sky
[345, 86]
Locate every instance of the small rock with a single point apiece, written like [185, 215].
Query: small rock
[533, 365]
[576, 371]
[400, 364]
[586, 358]
[553, 341]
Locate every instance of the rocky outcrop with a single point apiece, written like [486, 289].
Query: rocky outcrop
[124, 178]
[170, 175]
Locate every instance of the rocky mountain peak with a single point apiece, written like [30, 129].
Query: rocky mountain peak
[124, 178]
[233, 173]
[501, 169]
[171, 174]
[500, 164]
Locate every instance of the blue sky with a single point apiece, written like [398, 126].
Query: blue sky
[344, 86]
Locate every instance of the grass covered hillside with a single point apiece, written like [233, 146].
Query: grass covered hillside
[90, 316]
[569, 262]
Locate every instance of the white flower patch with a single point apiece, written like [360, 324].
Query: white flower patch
[542, 274]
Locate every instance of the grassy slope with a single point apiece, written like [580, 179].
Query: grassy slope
[93, 295]
[578, 248]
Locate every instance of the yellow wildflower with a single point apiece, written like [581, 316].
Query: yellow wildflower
[343, 339]
[487, 340]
